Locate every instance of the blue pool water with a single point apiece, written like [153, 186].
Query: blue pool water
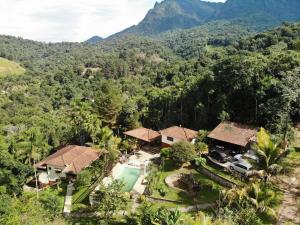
[129, 176]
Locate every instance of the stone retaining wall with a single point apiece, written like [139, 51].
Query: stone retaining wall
[220, 180]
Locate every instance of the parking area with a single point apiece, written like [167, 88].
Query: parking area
[234, 161]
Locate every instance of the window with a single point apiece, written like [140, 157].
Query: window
[170, 139]
[241, 166]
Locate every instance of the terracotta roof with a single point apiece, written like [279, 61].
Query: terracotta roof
[180, 133]
[143, 134]
[72, 158]
[233, 133]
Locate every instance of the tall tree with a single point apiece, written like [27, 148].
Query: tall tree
[31, 148]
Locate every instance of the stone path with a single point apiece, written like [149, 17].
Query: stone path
[290, 208]
[68, 199]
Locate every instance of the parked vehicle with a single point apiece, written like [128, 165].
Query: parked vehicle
[220, 148]
[240, 166]
[250, 154]
[238, 157]
[220, 156]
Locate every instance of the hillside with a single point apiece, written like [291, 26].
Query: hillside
[94, 40]
[9, 68]
[279, 10]
[77, 93]
[174, 14]
[258, 15]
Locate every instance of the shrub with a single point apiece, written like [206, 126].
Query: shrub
[165, 152]
[84, 178]
[183, 151]
[162, 191]
[247, 216]
[202, 136]
[201, 147]
[200, 161]
[51, 203]
[142, 198]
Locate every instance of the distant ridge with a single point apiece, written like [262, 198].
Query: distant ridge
[94, 40]
[170, 15]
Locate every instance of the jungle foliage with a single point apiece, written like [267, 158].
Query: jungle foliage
[88, 94]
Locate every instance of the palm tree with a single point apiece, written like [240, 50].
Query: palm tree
[268, 152]
[92, 125]
[31, 148]
[106, 140]
[261, 198]
[257, 195]
[235, 196]
[79, 113]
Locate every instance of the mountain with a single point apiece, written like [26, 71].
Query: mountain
[174, 14]
[280, 10]
[177, 14]
[94, 40]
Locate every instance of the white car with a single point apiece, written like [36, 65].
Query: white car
[250, 154]
[240, 166]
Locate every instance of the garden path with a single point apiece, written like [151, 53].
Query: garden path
[290, 208]
[68, 199]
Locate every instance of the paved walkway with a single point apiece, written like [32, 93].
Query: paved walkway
[68, 199]
[290, 208]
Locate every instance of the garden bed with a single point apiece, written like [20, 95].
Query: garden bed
[209, 192]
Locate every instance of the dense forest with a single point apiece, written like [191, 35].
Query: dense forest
[69, 87]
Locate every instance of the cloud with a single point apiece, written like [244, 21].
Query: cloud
[69, 20]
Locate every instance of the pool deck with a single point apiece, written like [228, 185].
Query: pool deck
[135, 161]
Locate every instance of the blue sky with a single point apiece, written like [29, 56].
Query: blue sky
[70, 20]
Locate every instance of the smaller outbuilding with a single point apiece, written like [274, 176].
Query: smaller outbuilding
[233, 136]
[143, 134]
[175, 134]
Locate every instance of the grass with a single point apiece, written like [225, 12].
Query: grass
[208, 194]
[10, 68]
[296, 143]
[292, 160]
[78, 193]
[60, 193]
[224, 174]
[276, 203]
[84, 221]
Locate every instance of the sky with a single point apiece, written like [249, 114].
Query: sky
[70, 20]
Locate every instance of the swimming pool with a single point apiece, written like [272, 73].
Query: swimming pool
[129, 176]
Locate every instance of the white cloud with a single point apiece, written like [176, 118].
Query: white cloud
[70, 20]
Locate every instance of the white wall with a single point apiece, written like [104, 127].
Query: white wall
[164, 140]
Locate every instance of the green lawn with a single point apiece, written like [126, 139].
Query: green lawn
[9, 68]
[225, 175]
[78, 193]
[292, 160]
[208, 194]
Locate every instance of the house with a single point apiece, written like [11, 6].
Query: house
[174, 134]
[69, 160]
[233, 136]
[144, 134]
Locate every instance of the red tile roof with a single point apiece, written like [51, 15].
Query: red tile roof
[179, 133]
[233, 133]
[143, 134]
[72, 158]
